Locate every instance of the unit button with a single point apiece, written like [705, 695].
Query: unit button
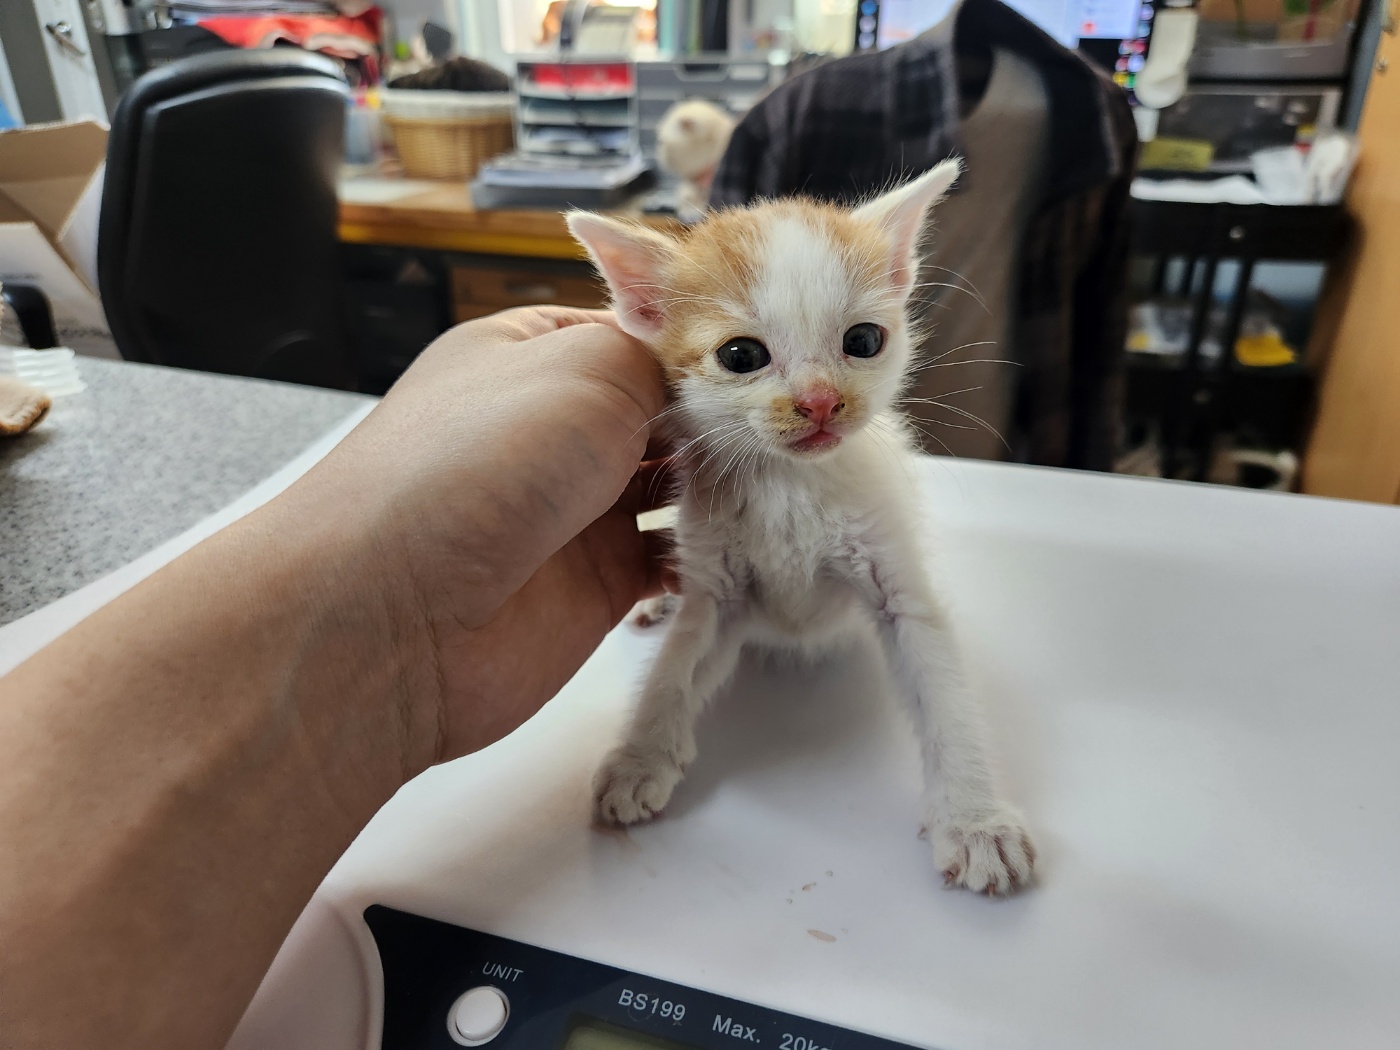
[478, 1016]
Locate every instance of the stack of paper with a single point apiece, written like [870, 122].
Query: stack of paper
[547, 181]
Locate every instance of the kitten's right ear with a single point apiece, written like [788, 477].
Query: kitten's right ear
[631, 259]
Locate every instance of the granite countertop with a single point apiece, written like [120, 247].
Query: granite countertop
[139, 457]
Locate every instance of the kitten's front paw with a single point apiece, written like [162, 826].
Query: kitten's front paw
[994, 856]
[634, 785]
[651, 611]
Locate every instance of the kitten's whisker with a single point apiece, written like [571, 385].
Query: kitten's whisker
[707, 271]
[761, 457]
[944, 446]
[714, 451]
[959, 276]
[746, 457]
[970, 361]
[892, 452]
[647, 284]
[714, 489]
[954, 350]
[941, 423]
[755, 457]
[955, 474]
[935, 437]
[891, 379]
[720, 479]
[951, 393]
[722, 426]
[921, 301]
[701, 474]
[976, 419]
[657, 479]
[689, 299]
[733, 423]
[955, 287]
[669, 408]
[922, 400]
[946, 269]
[951, 408]
[912, 372]
[917, 425]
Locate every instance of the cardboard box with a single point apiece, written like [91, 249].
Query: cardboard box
[50, 197]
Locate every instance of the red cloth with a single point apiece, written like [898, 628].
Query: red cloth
[341, 36]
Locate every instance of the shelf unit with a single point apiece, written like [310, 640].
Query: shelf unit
[1194, 399]
[592, 96]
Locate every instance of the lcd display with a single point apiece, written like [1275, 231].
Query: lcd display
[588, 1034]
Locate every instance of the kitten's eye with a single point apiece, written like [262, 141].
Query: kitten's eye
[743, 355]
[863, 340]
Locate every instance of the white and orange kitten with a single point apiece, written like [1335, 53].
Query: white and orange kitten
[783, 335]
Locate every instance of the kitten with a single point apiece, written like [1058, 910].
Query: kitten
[690, 140]
[783, 335]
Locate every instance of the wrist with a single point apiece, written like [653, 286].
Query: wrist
[220, 735]
[358, 651]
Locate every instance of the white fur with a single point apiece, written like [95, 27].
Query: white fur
[788, 549]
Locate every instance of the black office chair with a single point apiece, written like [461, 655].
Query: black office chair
[217, 244]
[31, 308]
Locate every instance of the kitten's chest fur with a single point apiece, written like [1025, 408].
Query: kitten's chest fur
[786, 545]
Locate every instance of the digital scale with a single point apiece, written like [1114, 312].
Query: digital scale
[519, 997]
[1195, 691]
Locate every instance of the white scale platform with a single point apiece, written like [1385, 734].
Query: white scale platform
[1196, 692]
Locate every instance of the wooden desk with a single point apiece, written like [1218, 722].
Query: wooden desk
[418, 213]
[411, 213]
[489, 260]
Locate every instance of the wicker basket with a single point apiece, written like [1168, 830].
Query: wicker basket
[447, 134]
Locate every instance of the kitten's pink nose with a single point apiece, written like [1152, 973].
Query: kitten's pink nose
[820, 404]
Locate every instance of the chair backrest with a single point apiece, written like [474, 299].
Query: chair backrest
[32, 310]
[217, 244]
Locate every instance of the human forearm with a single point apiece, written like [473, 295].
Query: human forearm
[179, 772]
[183, 769]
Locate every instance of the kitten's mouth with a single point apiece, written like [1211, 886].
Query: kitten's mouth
[817, 441]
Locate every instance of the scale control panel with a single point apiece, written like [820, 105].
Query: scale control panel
[446, 986]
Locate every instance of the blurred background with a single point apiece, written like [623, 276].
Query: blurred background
[1174, 253]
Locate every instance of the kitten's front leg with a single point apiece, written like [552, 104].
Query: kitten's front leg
[979, 840]
[696, 659]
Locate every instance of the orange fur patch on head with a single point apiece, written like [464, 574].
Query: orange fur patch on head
[710, 281]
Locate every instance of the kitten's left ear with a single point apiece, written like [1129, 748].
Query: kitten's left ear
[900, 213]
[631, 259]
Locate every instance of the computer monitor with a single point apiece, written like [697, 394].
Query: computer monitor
[1112, 33]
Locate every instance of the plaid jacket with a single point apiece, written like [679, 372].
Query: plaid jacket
[851, 127]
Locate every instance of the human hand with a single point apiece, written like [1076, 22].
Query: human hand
[496, 492]
[216, 736]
